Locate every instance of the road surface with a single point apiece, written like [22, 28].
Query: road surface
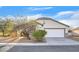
[73, 48]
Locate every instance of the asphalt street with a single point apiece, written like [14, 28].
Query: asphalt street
[72, 48]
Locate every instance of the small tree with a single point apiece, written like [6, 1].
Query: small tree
[2, 27]
[9, 25]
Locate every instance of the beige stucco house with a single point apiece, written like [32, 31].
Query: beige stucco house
[76, 30]
[53, 27]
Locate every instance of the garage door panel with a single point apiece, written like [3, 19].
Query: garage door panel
[55, 32]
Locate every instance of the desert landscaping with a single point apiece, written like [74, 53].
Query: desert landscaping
[11, 30]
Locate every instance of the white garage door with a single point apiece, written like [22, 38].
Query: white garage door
[55, 32]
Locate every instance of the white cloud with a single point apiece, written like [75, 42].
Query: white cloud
[39, 8]
[75, 16]
[63, 13]
[33, 17]
[10, 17]
[72, 21]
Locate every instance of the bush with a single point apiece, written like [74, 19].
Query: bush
[39, 34]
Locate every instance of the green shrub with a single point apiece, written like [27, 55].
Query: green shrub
[39, 34]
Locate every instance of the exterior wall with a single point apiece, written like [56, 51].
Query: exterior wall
[53, 24]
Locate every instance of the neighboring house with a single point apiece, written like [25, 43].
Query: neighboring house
[53, 27]
[76, 30]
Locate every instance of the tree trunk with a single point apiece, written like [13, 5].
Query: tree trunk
[26, 34]
[3, 32]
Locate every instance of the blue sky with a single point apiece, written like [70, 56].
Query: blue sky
[66, 14]
[32, 10]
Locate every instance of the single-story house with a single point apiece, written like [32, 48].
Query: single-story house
[53, 27]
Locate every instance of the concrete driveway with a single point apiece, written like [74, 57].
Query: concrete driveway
[61, 41]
